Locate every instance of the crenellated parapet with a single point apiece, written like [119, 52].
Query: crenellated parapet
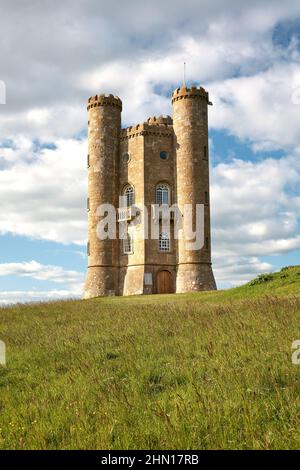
[104, 100]
[158, 120]
[190, 93]
[160, 126]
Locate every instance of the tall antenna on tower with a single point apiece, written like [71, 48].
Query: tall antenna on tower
[184, 73]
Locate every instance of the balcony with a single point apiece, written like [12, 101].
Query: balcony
[124, 214]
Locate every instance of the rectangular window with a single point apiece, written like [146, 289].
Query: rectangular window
[205, 152]
[88, 248]
[206, 243]
[88, 203]
[206, 197]
[128, 245]
[164, 242]
[148, 279]
[88, 161]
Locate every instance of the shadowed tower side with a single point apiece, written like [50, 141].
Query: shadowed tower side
[194, 271]
[104, 114]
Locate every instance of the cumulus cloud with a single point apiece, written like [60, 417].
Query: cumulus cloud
[256, 207]
[43, 190]
[41, 272]
[12, 297]
[262, 109]
[54, 58]
[62, 55]
[72, 282]
[255, 213]
[232, 271]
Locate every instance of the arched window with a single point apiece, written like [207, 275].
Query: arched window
[164, 242]
[162, 194]
[129, 194]
[128, 244]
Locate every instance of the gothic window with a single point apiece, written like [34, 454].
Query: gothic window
[162, 194]
[128, 244]
[164, 242]
[129, 194]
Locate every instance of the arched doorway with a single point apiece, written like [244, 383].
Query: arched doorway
[164, 282]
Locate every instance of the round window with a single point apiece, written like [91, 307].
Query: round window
[164, 155]
[125, 157]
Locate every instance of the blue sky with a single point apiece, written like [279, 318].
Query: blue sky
[247, 56]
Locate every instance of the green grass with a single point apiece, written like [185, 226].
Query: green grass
[207, 370]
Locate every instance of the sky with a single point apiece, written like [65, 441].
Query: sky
[54, 55]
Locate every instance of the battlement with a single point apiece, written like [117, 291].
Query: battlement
[104, 100]
[161, 125]
[192, 92]
[158, 120]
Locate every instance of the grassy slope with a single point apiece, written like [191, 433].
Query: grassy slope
[204, 370]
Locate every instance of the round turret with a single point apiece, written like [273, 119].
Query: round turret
[104, 118]
[194, 270]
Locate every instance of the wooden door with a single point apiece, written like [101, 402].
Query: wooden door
[164, 282]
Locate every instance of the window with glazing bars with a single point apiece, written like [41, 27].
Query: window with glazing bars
[129, 194]
[164, 242]
[128, 244]
[162, 194]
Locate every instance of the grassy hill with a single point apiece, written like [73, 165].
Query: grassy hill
[204, 370]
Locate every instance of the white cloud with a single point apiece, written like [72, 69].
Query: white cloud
[41, 272]
[43, 192]
[71, 51]
[255, 210]
[232, 271]
[71, 280]
[261, 108]
[12, 297]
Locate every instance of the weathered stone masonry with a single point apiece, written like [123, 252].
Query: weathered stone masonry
[161, 151]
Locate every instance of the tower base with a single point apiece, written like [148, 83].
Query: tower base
[100, 281]
[194, 278]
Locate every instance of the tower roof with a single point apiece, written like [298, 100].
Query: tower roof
[192, 92]
[104, 100]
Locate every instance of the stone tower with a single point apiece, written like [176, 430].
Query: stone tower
[104, 126]
[160, 161]
[194, 271]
